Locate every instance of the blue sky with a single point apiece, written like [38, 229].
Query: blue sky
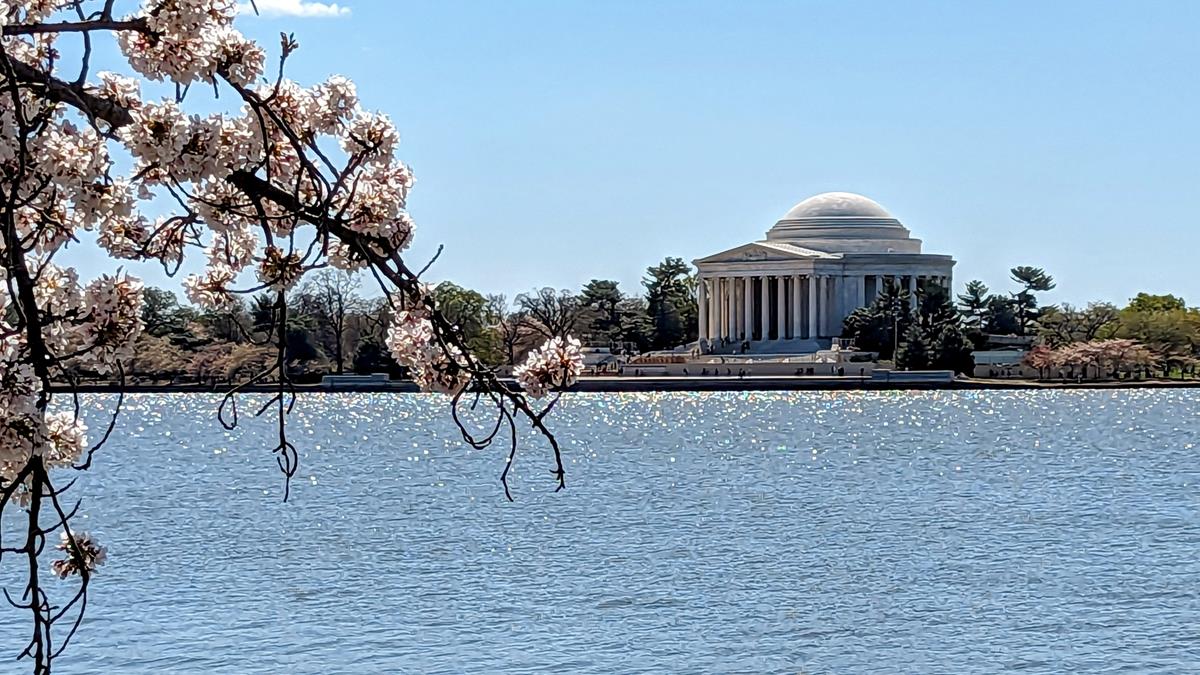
[560, 141]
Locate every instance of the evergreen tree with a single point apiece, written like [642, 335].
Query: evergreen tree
[915, 350]
[602, 300]
[974, 303]
[1000, 316]
[160, 312]
[637, 330]
[262, 312]
[931, 336]
[874, 328]
[1032, 280]
[952, 349]
[671, 303]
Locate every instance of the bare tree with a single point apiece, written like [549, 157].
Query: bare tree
[551, 313]
[373, 318]
[332, 295]
[1068, 324]
[513, 327]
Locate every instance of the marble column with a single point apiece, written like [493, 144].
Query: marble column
[747, 316]
[735, 307]
[812, 307]
[716, 307]
[832, 303]
[714, 311]
[708, 315]
[912, 290]
[764, 315]
[702, 308]
[862, 292]
[796, 307]
[823, 310]
[726, 308]
[740, 312]
[780, 308]
[822, 305]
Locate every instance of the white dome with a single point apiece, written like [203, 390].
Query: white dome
[843, 222]
[837, 205]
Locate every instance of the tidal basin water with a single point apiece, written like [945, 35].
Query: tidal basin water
[941, 532]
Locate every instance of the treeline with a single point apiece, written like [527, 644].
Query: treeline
[332, 327]
[1152, 335]
[931, 331]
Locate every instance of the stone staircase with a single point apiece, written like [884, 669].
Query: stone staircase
[776, 347]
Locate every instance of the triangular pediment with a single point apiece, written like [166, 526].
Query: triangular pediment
[763, 251]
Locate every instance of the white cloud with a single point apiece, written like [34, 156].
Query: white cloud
[294, 8]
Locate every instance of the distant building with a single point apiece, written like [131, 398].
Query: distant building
[790, 292]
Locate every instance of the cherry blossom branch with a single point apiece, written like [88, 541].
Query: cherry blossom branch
[76, 27]
[253, 184]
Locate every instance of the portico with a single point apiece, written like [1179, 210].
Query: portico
[828, 256]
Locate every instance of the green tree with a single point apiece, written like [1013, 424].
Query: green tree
[262, 312]
[161, 313]
[874, 328]
[1000, 316]
[301, 351]
[943, 338]
[1032, 280]
[372, 356]
[974, 304]
[465, 308]
[1172, 335]
[601, 299]
[915, 351]
[952, 349]
[1145, 302]
[474, 316]
[931, 335]
[637, 330]
[671, 303]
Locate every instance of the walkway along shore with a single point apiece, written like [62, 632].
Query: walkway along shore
[665, 383]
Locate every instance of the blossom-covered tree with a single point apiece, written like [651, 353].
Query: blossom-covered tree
[291, 179]
[1096, 359]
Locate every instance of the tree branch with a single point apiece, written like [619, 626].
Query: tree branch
[138, 24]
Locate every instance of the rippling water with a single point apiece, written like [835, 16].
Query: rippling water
[818, 533]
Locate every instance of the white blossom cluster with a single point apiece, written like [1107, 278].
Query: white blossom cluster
[85, 553]
[190, 40]
[92, 327]
[432, 365]
[555, 365]
[27, 11]
[320, 156]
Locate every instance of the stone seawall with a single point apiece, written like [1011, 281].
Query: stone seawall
[898, 381]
